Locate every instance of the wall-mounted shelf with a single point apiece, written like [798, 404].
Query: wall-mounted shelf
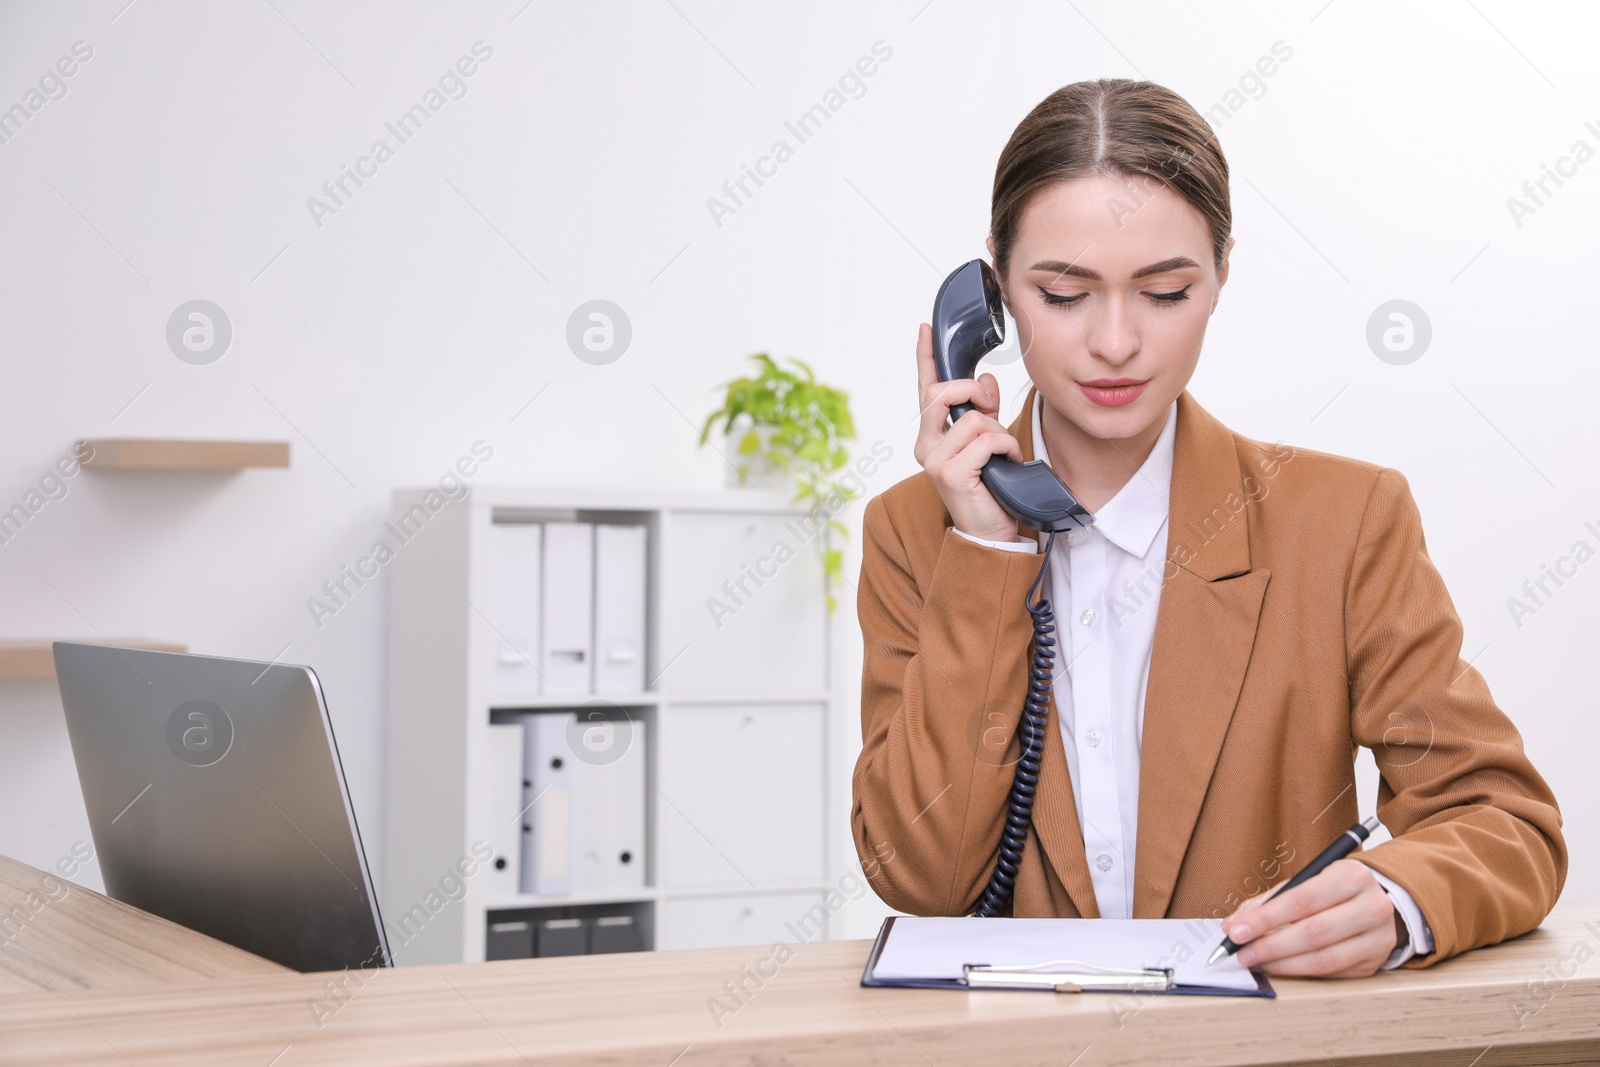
[148, 453]
[34, 659]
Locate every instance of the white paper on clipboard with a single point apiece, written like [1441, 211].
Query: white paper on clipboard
[936, 947]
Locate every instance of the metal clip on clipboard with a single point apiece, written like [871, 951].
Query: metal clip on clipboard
[1068, 976]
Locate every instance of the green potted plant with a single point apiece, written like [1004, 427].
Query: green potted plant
[783, 425]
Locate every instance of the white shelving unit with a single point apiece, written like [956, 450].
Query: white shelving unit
[737, 711]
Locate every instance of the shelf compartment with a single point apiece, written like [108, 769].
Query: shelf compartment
[569, 701]
[642, 911]
[526, 901]
[750, 919]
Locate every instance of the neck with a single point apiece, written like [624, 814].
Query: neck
[1094, 468]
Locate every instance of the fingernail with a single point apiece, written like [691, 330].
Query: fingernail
[1241, 933]
[1247, 958]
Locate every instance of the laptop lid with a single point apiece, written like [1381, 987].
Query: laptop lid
[217, 800]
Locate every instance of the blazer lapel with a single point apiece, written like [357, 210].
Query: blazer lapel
[1205, 630]
[1055, 820]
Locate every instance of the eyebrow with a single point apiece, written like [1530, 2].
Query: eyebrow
[1058, 267]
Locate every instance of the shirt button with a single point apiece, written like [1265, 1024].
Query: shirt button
[1093, 737]
[1087, 617]
[1103, 861]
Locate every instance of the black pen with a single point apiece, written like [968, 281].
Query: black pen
[1346, 844]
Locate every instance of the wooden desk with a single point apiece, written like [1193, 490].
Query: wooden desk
[57, 935]
[652, 1008]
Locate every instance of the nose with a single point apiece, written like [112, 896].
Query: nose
[1112, 336]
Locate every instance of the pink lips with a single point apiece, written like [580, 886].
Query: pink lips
[1113, 392]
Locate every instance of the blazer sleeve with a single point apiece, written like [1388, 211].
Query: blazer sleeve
[1476, 831]
[943, 677]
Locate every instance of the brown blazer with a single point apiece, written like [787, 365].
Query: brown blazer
[1300, 616]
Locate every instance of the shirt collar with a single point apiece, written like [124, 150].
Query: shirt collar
[1131, 519]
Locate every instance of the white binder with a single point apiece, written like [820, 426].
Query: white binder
[501, 800]
[568, 661]
[547, 813]
[619, 607]
[607, 803]
[515, 564]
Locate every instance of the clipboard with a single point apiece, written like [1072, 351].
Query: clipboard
[1057, 955]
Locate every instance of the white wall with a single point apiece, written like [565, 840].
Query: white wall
[1375, 163]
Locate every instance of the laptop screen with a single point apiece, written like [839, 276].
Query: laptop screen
[217, 800]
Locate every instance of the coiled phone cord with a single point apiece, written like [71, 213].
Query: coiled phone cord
[1031, 728]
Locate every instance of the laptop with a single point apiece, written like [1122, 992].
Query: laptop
[217, 800]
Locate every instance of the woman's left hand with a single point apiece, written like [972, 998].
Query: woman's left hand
[1338, 924]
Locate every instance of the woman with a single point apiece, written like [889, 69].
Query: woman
[1237, 619]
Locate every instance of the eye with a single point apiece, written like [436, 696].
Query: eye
[1172, 297]
[1057, 298]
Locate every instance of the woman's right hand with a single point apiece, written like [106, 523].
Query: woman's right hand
[954, 455]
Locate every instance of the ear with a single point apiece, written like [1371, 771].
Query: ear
[1004, 299]
[1222, 272]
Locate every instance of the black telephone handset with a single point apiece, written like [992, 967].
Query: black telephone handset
[968, 322]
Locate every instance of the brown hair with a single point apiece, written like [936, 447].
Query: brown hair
[1114, 126]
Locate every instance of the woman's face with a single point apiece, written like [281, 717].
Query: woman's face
[1111, 281]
